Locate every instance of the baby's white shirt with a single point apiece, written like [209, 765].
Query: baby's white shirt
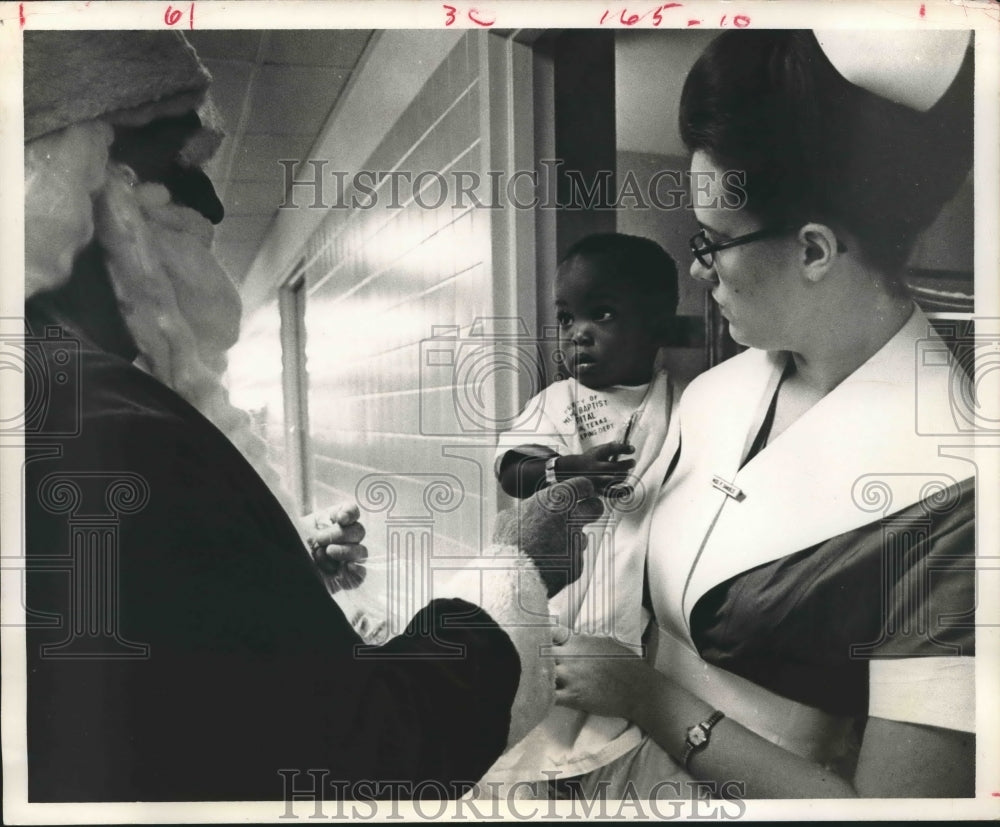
[606, 600]
[570, 418]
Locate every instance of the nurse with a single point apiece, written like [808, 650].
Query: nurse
[810, 563]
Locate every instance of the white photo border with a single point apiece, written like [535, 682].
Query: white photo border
[906, 14]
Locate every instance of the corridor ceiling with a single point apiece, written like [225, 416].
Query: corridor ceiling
[275, 90]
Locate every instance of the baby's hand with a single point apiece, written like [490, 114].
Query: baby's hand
[599, 464]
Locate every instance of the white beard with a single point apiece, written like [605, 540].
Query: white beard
[62, 172]
[180, 307]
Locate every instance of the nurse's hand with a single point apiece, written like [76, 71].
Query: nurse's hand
[598, 675]
[548, 527]
[334, 538]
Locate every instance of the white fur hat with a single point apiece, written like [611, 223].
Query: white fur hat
[75, 76]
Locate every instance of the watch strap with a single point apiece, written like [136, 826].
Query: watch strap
[698, 736]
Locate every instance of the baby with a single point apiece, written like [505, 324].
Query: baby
[615, 297]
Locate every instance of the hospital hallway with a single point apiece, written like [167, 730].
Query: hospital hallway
[396, 203]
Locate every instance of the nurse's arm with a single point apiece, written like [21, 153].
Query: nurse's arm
[897, 759]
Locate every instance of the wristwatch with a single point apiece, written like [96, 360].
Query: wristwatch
[550, 470]
[698, 737]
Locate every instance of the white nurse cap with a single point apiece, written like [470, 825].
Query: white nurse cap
[911, 67]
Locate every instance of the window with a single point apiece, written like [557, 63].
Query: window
[295, 386]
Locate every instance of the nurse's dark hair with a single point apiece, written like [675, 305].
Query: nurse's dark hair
[815, 147]
[633, 263]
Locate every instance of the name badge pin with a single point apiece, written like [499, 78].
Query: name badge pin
[728, 488]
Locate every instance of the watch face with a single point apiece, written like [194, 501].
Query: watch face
[697, 736]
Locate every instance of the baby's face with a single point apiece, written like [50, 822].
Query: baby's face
[606, 329]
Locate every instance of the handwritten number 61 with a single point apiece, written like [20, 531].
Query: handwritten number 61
[173, 16]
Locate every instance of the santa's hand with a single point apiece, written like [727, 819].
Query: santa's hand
[334, 539]
[548, 527]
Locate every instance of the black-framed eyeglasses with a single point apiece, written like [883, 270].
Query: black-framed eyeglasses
[704, 250]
